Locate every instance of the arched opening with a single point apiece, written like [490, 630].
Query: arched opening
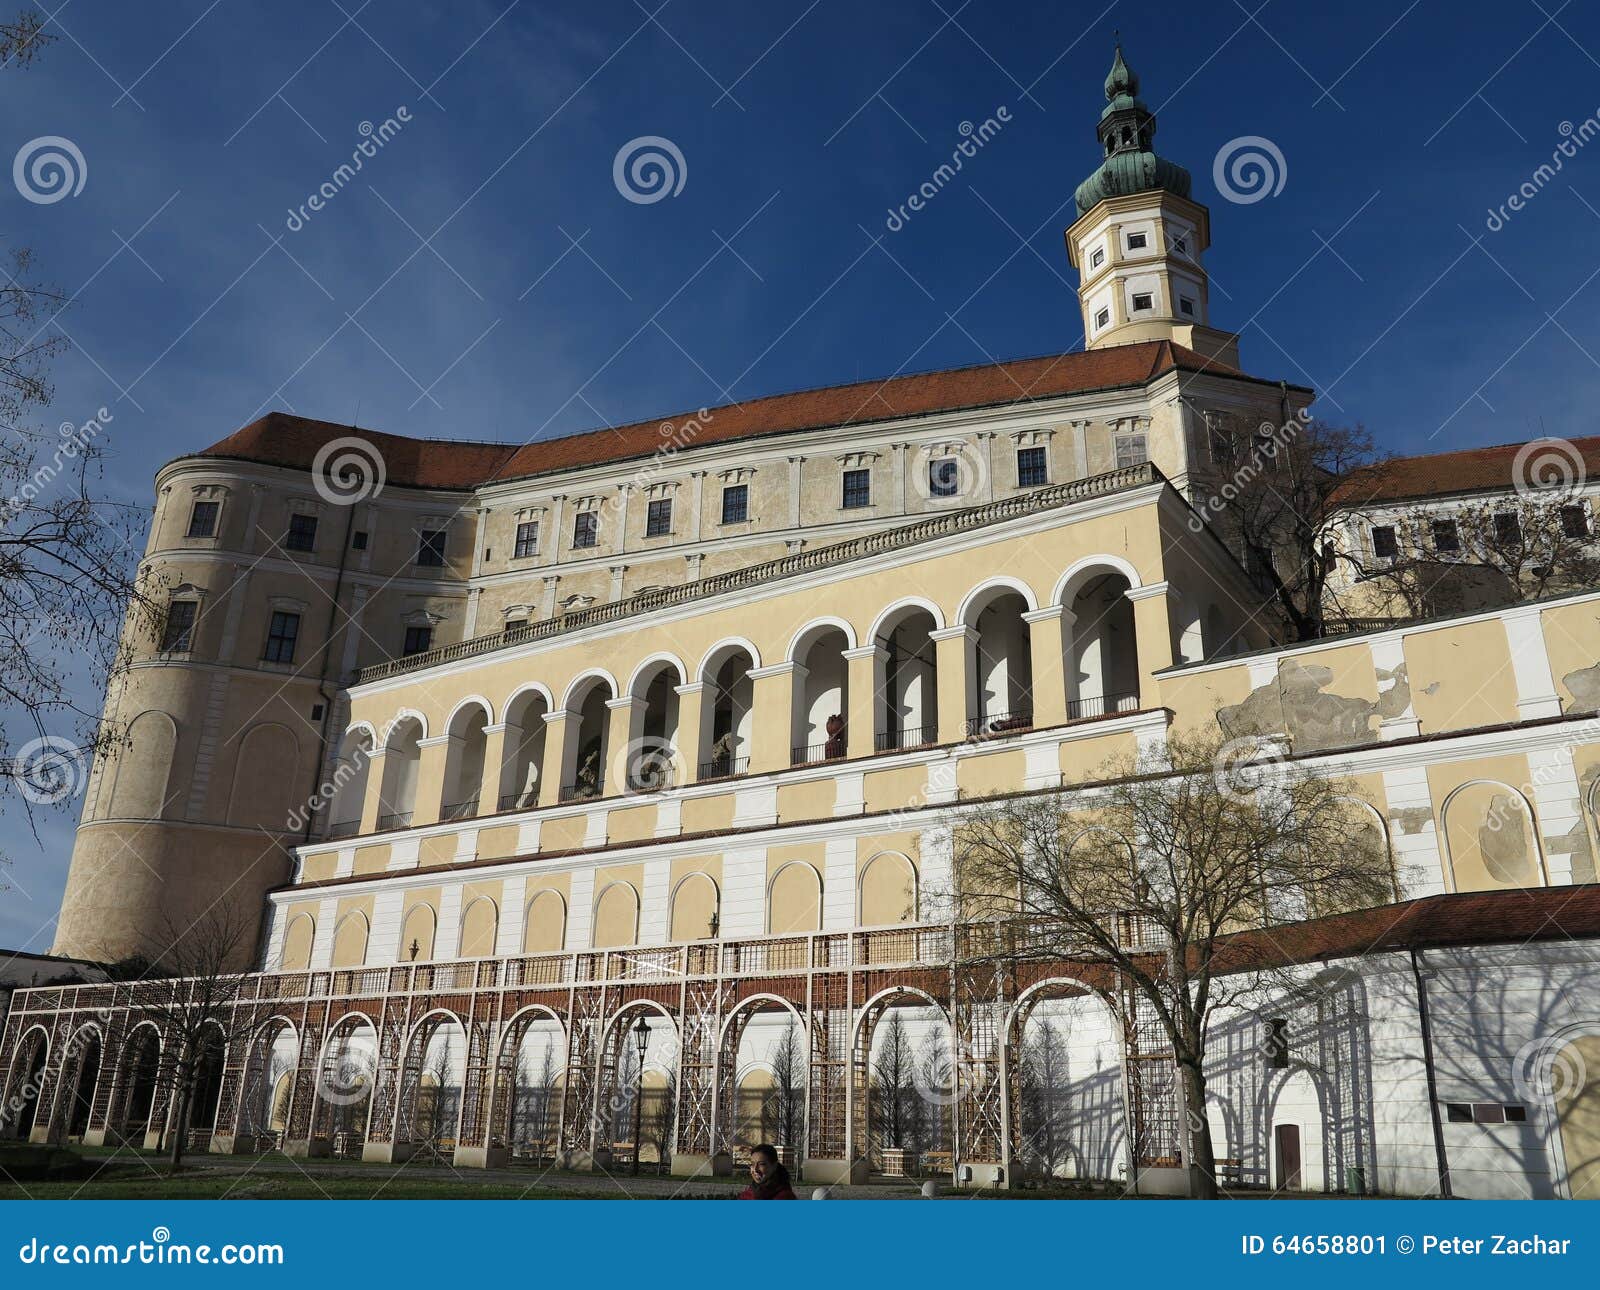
[417, 933]
[480, 924]
[908, 697]
[1002, 653]
[350, 770]
[523, 764]
[25, 1084]
[87, 1052]
[344, 1085]
[270, 1063]
[728, 712]
[1296, 1135]
[207, 1094]
[903, 1072]
[529, 1069]
[133, 1109]
[434, 1074]
[463, 763]
[764, 1071]
[1101, 653]
[696, 909]
[822, 696]
[1491, 839]
[1575, 1080]
[401, 759]
[616, 917]
[264, 802]
[587, 740]
[794, 900]
[654, 749]
[887, 891]
[544, 929]
[630, 1106]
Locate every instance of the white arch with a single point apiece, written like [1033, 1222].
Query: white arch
[355, 1014]
[1024, 1001]
[582, 681]
[528, 687]
[1529, 817]
[416, 1029]
[825, 622]
[899, 607]
[365, 727]
[737, 1008]
[865, 1010]
[403, 715]
[1079, 571]
[1000, 583]
[650, 666]
[723, 647]
[471, 699]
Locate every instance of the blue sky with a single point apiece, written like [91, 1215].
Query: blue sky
[483, 278]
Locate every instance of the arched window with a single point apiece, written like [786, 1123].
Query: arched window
[297, 938]
[350, 940]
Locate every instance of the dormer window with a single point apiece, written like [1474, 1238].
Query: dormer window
[1137, 241]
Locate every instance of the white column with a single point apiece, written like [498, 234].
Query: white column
[1530, 663]
[794, 491]
[1388, 661]
[508, 935]
[1419, 864]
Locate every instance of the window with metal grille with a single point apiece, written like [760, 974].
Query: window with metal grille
[203, 519]
[1032, 468]
[1132, 450]
[418, 640]
[1575, 520]
[586, 529]
[302, 534]
[1384, 545]
[1446, 541]
[1507, 528]
[944, 476]
[282, 632]
[430, 548]
[857, 489]
[177, 635]
[658, 518]
[527, 540]
[735, 503]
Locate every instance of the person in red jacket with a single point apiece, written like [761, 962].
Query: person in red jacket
[768, 1179]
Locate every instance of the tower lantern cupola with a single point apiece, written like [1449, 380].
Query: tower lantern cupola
[1138, 240]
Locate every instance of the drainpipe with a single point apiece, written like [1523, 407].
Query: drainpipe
[1433, 1087]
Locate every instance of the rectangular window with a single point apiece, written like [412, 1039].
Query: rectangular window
[1516, 1114]
[177, 636]
[1102, 318]
[1458, 1112]
[1137, 241]
[658, 518]
[1181, 245]
[586, 529]
[944, 477]
[418, 640]
[1098, 258]
[1507, 528]
[1186, 306]
[1032, 469]
[1132, 450]
[430, 548]
[1384, 545]
[1575, 520]
[735, 503]
[1275, 1044]
[203, 519]
[857, 489]
[513, 623]
[1446, 541]
[281, 634]
[1143, 300]
[358, 541]
[302, 534]
[1488, 1113]
[527, 540]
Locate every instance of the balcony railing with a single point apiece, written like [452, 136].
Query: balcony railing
[526, 800]
[460, 810]
[724, 767]
[394, 820]
[1101, 705]
[583, 789]
[790, 566]
[342, 829]
[1000, 723]
[809, 754]
[911, 737]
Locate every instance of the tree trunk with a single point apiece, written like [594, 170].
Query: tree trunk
[1202, 1159]
[180, 1130]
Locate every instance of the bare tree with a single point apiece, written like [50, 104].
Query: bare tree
[662, 1113]
[21, 39]
[1042, 1080]
[1154, 874]
[435, 1110]
[934, 1076]
[892, 1073]
[787, 1101]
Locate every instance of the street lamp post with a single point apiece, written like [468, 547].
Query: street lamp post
[641, 1041]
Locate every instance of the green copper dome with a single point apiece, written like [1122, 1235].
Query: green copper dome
[1127, 132]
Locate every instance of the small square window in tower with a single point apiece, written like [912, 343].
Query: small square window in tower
[1032, 468]
[1137, 241]
[1102, 318]
[1186, 306]
[944, 477]
[419, 640]
[586, 529]
[1143, 300]
[857, 489]
[527, 544]
[658, 518]
[203, 520]
[430, 548]
[302, 534]
[735, 503]
[1098, 258]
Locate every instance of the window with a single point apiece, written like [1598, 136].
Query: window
[1181, 245]
[1102, 318]
[1186, 306]
[177, 636]
[586, 529]
[944, 477]
[203, 519]
[1143, 300]
[302, 535]
[1275, 1044]
[513, 623]
[430, 548]
[1575, 520]
[1516, 1114]
[1446, 541]
[418, 640]
[1384, 545]
[1507, 528]
[857, 489]
[281, 634]
[358, 541]
[735, 503]
[1132, 450]
[1137, 241]
[1032, 469]
[1458, 1112]
[658, 518]
[527, 540]
[1098, 258]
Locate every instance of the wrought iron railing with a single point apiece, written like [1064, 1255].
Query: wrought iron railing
[1000, 723]
[583, 789]
[342, 829]
[900, 740]
[1101, 705]
[460, 810]
[808, 754]
[724, 767]
[394, 820]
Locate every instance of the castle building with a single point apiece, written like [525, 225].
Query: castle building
[663, 730]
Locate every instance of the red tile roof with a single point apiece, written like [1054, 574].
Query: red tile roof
[1471, 470]
[283, 440]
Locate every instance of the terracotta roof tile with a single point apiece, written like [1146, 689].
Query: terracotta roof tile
[1470, 470]
[283, 440]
